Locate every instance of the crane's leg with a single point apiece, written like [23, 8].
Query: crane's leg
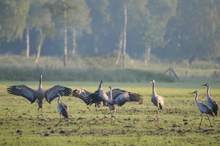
[111, 113]
[209, 121]
[59, 121]
[60, 118]
[214, 120]
[115, 110]
[200, 120]
[38, 111]
[39, 108]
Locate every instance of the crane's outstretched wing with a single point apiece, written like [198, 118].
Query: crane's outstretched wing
[121, 99]
[116, 92]
[56, 90]
[22, 90]
[83, 94]
[132, 96]
[98, 96]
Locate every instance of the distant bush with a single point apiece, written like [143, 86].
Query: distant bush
[90, 74]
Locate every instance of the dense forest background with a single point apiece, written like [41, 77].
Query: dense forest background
[171, 30]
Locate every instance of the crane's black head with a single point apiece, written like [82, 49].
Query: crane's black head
[196, 92]
[152, 81]
[206, 84]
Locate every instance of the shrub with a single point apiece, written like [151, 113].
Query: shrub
[90, 74]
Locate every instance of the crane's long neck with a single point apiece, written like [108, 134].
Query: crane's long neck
[59, 99]
[110, 94]
[153, 89]
[100, 86]
[208, 92]
[196, 97]
[40, 82]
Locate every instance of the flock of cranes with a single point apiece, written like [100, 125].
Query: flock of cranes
[113, 98]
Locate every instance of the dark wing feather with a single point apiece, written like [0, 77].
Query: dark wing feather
[22, 90]
[215, 108]
[133, 96]
[51, 93]
[98, 96]
[116, 92]
[209, 111]
[205, 109]
[121, 99]
[83, 95]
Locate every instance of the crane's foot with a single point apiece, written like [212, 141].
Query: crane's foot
[57, 124]
[156, 118]
[113, 118]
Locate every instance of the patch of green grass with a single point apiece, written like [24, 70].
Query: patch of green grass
[134, 124]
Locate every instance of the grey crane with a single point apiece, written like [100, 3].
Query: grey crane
[63, 109]
[99, 96]
[203, 108]
[98, 104]
[39, 94]
[131, 97]
[119, 100]
[84, 95]
[210, 102]
[157, 100]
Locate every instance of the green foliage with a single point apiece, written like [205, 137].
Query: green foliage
[134, 124]
[13, 15]
[196, 30]
[175, 30]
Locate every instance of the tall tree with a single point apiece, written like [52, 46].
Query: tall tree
[60, 10]
[194, 31]
[13, 15]
[99, 11]
[78, 20]
[39, 18]
[149, 19]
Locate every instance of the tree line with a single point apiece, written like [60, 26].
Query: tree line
[173, 30]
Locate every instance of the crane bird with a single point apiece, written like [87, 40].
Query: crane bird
[84, 95]
[63, 109]
[203, 108]
[157, 100]
[39, 94]
[99, 96]
[98, 104]
[210, 102]
[119, 100]
[132, 97]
